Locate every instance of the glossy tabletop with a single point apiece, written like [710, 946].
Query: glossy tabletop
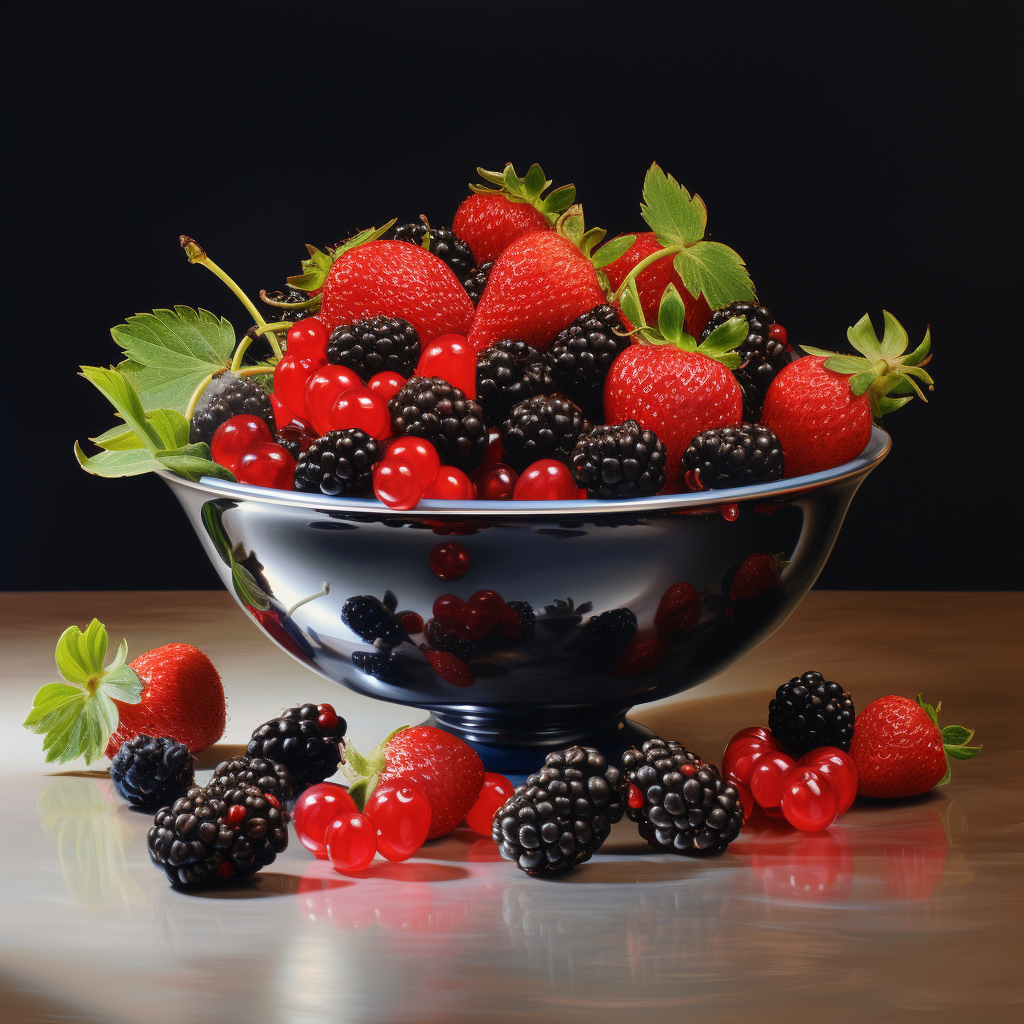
[900, 911]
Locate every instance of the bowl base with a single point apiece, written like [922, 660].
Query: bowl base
[506, 749]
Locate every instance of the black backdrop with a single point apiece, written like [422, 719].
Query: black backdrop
[856, 160]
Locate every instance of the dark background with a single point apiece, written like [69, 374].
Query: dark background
[857, 161]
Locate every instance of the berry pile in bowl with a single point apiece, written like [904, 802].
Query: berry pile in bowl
[515, 356]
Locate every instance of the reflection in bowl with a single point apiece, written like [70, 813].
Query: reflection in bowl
[524, 626]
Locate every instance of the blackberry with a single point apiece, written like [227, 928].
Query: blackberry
[238, 773]
[203, 837]
[444, 244]
[688, 807]
[542, 427]
[439, 412]
[149, 771]
[444, 638]
[619, 461]
[732, 457]
[761, 355]
[224, 397]
[562, 814]
[809, 712]
[381, 665]
[582, 354]
[282, 313]
[508, 372]
[338, 463]
[372, 346]
[527, 620]
[476, 280]
[607, 635]
[373, 621]
[311, 752]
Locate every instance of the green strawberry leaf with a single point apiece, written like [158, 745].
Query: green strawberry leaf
[716, 271]
[77, 717]
[932, 712]
[863, 338]
[193, 461]
[894, 340]
[119, 391]
[314, 271]
[134, 462]
[725, 337]
[956, 735]
[945, 778]
[631, 307]
[169, 424]
[671, 314]
[367, 235]
[611, 251]
[671, 213]
[168, 353]
[961, 753]
[529, 189]
[249, 592]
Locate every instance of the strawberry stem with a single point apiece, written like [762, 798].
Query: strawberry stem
[642, 266]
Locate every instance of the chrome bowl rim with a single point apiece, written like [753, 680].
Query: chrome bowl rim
[875, 451]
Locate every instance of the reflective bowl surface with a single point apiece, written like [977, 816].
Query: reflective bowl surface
[697, 571]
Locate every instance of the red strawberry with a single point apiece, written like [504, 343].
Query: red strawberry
[396, 279]
[538, 286]
[643, 653]
[488, 223]
[819, 420]
[182, 698]
[652, 282]
[899, 750]
[678, 610]
[757, 574]
[450, 668]
[673, 392]
[448, 771]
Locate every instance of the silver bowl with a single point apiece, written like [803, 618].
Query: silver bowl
[569, 561]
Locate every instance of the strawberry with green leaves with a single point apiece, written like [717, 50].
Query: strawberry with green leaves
[508, 206]
[542, 282]
[670, 384]
[173, 691]
[821, 407]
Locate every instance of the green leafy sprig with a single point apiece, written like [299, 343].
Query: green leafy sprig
[882, 369]
[570, 225]
[363, 771]
[679, 220]
[315, 269]
[955, 738]
[529, 189]
[77, 717]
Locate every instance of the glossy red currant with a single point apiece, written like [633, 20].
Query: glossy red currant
[412, 622]
[290, 377]
[386, 384]
[809, 800]
[282, 414]
[397, 483]
[496, 790]
[450, 484]
[400, 812]
[266, 465]
[746, 798]
[422, 454]
[634, 797]
[315, 809]
[777, 333]
[447, 607]
[351, 842]
[359, 409]
[308, 337]
[328, 717]
[767, 773]
[321, 391]
[450, 561]
[547, 480]
[839, 767]
[498, 485]
[739, 756]
[234, 436]
[760, 732]
[450, 357]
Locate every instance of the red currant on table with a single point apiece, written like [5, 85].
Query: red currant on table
[315, 809]
[386, 384]
[450, 561]
[450, 357]
[810, 802]
[233, 436]
[321, 391]
[766, 777]
[450, 484]
[499, 484]
[746, 798]
[739, 756]
[758, 732]
[496, 790]
[266, 465]
[840, 769]
[400, 812]
[308, 337]
[422, 454]
[493, 455]
[290, 377]
[351, 842]
[359, 409]
[547, 480]
[397, 483]
[282, 414]
[447, 607]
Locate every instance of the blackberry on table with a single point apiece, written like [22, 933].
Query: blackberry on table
[372, 621]
[688, 807]
[203, 837]
[476, 280]
[372, 346]
[149, 771]
[282, 313]
[339, 463]
[763, 354]
[226, 396]
[607, 635]
[581, 355]
[444, 244]
[809, 712]
[619, 461]
[239, 773]
[439, 412]
[310, 751]
[732, 457]
[509, 372]
[562, 814]
[542, 427]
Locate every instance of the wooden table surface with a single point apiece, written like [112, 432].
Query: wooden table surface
[901, 911]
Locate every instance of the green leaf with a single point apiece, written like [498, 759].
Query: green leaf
[945, 778]
[845, 364]
[314, 271]
[724, 338]
[961, 753]
[121, 394]
[956, 735]
[860, 382]
[556, 202]
[193, 461]
[169, 352]
[932, 712]
[527, 190]
[133, 462]
[922, 350]
[368, 235]
[884, 406]
[716, 271]
[894, 339]
[79, 655]
[675, 217]
[169, 424]
[863, 338]
[671, 314]
[631, 307]
[611, 251]
[248, 590]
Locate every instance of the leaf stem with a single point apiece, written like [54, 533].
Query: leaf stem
[255, 371]
[197, 394]
[642, 266]
[197, 254]
[312, 597]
